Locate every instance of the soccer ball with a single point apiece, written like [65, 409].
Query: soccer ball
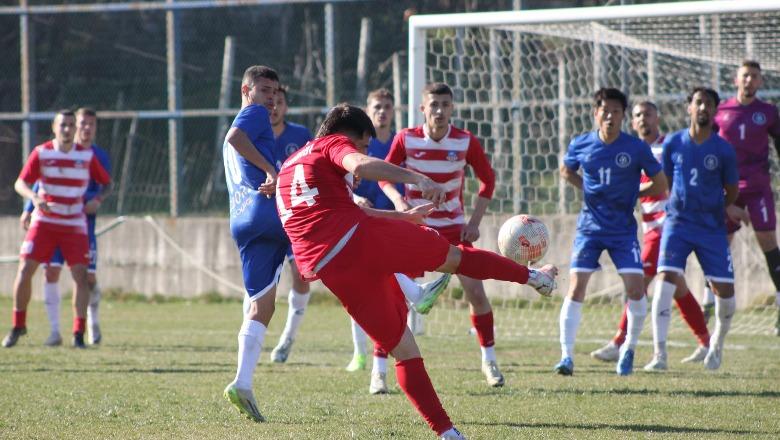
[524, 239]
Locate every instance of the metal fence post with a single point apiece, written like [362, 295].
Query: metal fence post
[173, 56]
[27, 70]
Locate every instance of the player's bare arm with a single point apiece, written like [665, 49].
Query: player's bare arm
[398, 200]
[241, 143]
[470, 231]
[414, 215]
[92, 206]
[655, 187]
[571, 176]
[24, 190]
[367, 167]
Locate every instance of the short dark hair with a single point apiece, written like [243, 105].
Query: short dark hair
[346, 119]
[253, 73]
[283, 90]
[382, 93]
[86, 111]
[65, 112]
[438, 88]
[606, 93]
[752, 64]
[713, 94]
[650, 104]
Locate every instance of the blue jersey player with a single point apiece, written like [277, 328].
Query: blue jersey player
[702, 169]
[289, 137]
[254, 223]
[612, 162]
[86, 132]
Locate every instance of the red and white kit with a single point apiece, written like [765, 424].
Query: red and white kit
[64, 178]
[444, 162]
[653, 215]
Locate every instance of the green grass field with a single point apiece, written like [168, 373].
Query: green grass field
[162, 368]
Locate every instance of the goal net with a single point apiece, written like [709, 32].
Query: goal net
[523, 84]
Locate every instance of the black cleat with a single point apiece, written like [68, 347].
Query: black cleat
[78, 340]
[13, 336]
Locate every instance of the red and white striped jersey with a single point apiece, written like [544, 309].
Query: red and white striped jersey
[64, 178]
[444, 162]
[653, 207]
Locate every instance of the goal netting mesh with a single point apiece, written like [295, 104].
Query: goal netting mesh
[525, 90]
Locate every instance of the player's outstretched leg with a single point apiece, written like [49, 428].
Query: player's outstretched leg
[611, 351]
[297, 302]
[359, 340]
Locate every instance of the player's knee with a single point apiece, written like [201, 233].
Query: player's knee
[27, 269]
[91, 279]
[79, 274]
[53, 274]
[452, 261]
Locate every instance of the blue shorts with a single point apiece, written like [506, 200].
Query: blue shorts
[57, 260]
[624, 252]
[261, 262]
[289, 254]
[712, 251]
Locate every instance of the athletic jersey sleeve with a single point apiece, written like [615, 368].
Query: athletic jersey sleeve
[32, 168]
[666, 158]
[396, 155]
[94, 187]
[647, 161]
[475, 157]
[336, 150]
[730, 170]
[97, 172]
[251, 119]
[571, 160]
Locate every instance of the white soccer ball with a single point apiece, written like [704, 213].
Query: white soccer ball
[524, 239]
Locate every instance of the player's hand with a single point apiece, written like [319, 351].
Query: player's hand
[268, 188]
[362, 201]
[41, 204]
[737, 214]
[24, 220]
[469, 233]
[432, 191]
[92, 206]
[401, 205]
[418, 213]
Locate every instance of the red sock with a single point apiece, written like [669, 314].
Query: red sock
[415, 383]
[620, 337]
[484, 265]
[79, 324]
[693, 316]
[484, 326]
[20, 319]
[379, 352]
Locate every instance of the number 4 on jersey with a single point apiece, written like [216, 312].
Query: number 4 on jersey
[299, 193]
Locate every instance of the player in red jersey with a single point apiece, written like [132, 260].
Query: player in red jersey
[333, 239]
[441, 151]
[64, 169]
[645, 122]
[746, 123]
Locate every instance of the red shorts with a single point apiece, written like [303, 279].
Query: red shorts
[452, 234]
[41, 241]
[362, 274]
[651, 248]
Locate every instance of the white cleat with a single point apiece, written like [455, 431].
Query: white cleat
[658, 363]
[543, 280]
[713, 358]
[697, 356]
[244, 401]
[492, 374]
[378, 383]
[280, 353]
[53, 340]
[607, 353]
[452, 434]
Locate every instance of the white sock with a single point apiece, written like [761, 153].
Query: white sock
[488, 353]
[359, 339]
[380, 365]
[412, 291]
[297, 307]
[777, 299]
[51, 297]
[662, 311]
[250, 344]
[709, 295]
[637, 310]
[94, 304]
[724, 312]
[571, 312]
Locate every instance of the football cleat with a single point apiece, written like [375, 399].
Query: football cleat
[658, 363]
[565, 367]
[378, 383]
[78, 340]
[357, 363]
[543, 280]
[280, 353]
[625, 365]
[452, 434]
[13, 336]
[607, 353]
[431, 292]
[698, 355]
[492, 374]
[53, 340]
[713, 358]
[244, 401]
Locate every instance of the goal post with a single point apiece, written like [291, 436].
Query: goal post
[523, 84]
